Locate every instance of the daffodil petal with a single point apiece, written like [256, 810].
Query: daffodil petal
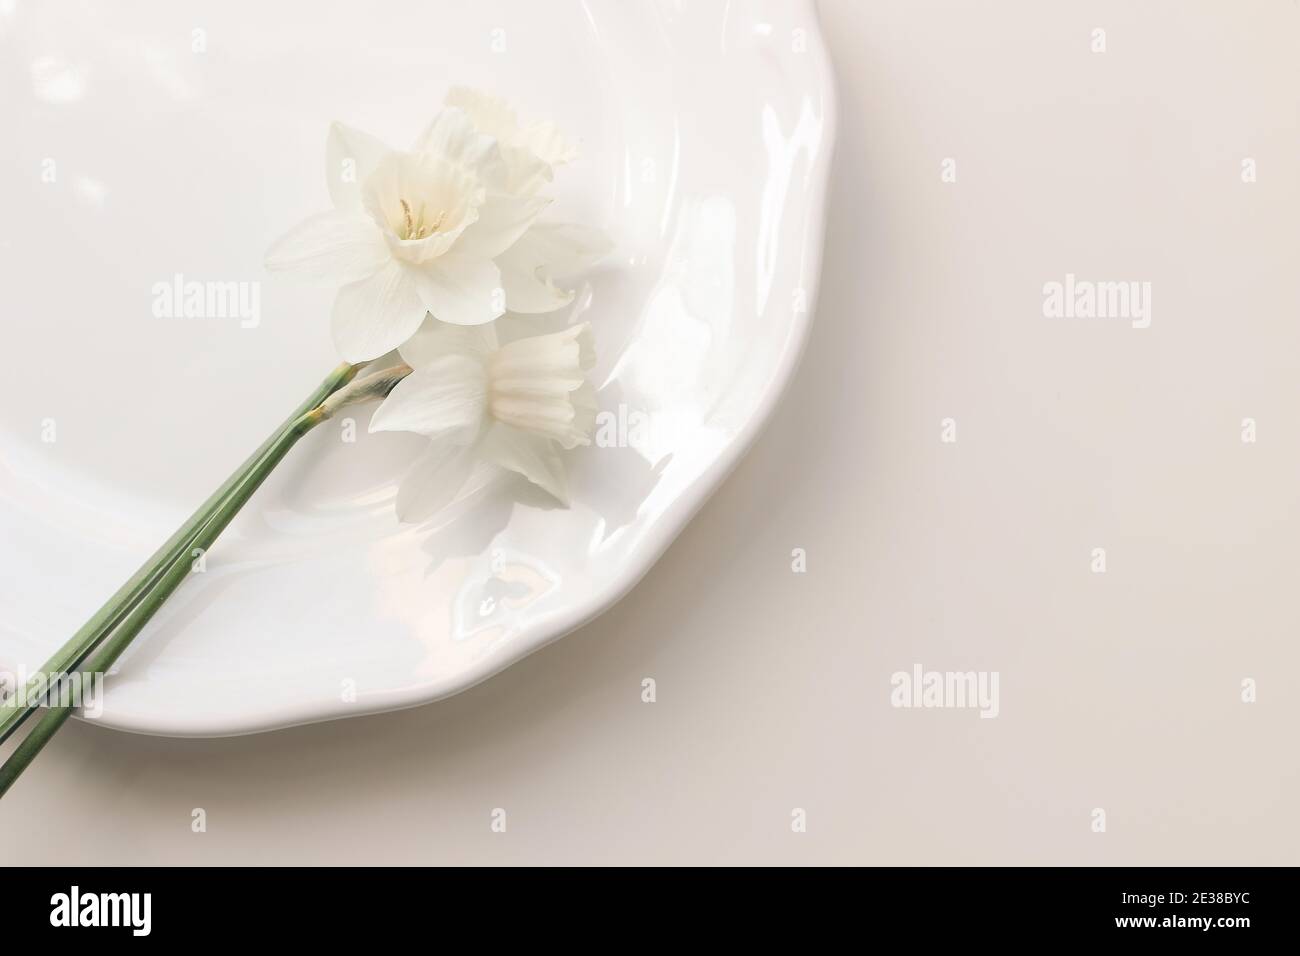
[529, 151]
[537, 385]
[436, 339]
[527, 288]
[502, 220]
[532, 456]
[547, 143]
[345, 247]
[377, 314]
[490, 114]
[461, 289]
[350, 156]
[545, 364]
[453, 136]
[446, 398]
[584, 416]
[545, 252]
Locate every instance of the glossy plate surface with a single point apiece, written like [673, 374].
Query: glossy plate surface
[156, 140]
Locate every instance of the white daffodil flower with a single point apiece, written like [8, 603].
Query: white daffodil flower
[489, 406]
[437, 229]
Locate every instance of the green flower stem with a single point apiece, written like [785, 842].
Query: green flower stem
[72, 654]
[174, 574]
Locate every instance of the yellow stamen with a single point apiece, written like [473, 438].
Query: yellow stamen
[406, 211]
[416, 228]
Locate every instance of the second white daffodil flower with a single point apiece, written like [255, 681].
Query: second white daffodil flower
[491, 405]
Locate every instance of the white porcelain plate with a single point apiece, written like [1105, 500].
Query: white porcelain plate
[160, 139]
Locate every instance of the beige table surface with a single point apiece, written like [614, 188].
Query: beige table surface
[1120, 691]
